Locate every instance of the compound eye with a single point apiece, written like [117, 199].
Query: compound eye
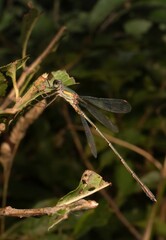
[56, 83]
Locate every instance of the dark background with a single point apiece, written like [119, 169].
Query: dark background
[114, 49]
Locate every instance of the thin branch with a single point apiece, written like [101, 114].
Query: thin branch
[13, 212]
[15, 86]
[82, 204]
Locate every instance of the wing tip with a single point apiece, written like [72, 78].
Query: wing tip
[127, 107]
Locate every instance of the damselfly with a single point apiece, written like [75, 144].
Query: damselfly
[112, 105]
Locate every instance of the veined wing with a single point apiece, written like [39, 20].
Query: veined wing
[109, 104]
[89, 137]
[100, 117]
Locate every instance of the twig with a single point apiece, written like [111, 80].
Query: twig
[113, 17]
[82, 204]
[13, 212]
[32, 67]
[104, 193]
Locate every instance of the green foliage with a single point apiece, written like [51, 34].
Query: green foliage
[3, 85]
[64, 77]
[90, 183]
[92, 219]
[113, 49]
[101, 10]
[11, 68]
[137, 27]
[125, 183]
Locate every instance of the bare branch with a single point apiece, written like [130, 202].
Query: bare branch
[77, 206]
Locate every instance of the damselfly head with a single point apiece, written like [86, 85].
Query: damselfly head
[57, 83]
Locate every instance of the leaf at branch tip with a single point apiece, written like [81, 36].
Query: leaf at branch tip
[11, 68]
[90, 183]
[63, 76]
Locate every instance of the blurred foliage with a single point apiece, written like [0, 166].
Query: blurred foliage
[113, 49]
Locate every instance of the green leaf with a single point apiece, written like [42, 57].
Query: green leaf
[90, 183]
[63, 76]
[137, 27]
[11, 68]
[101, 10]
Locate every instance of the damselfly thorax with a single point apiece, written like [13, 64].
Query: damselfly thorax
[62, 91]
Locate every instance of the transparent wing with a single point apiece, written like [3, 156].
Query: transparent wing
[89, 137]
[109, 104]
[100, 117]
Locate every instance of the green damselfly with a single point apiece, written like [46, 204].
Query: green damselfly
[90, 103]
